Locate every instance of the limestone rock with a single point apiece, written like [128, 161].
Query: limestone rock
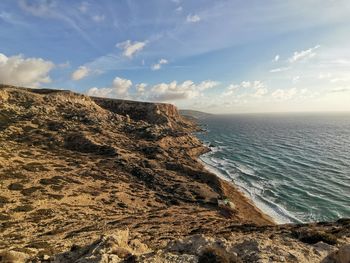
[111, 248]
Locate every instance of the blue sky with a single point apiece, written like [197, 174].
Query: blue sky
[218, 56]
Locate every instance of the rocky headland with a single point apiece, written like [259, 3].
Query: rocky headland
[86, 179]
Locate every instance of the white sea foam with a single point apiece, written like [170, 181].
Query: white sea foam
[277, 212]
[292, 167]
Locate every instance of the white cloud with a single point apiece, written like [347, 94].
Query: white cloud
[260, 92]
[141, 88]
[208, 84]
[257, 84]
[98, 18]
[119, 89]
[121, 86]
[159, 92]
[259, 89]
[20, 71]
[276, 70]
[159, 64]
[281, 94]
[179, 91]
[231, 89]
[100, 92]
[131, 48]
[80, 73]
[304, 54]
[193, 18]
[277, 58]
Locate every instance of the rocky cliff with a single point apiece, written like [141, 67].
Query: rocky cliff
[154, 113]
[74, 169]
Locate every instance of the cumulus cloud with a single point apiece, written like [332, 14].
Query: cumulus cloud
[304, 54]
[257, 84]
[159, 92]
[158, 65]
[80, 73]
[131, 48]
[250, 88]
[179, 91]
[121, 86]
[118, 89]
[231, 89]
[100, 92]
[141, 88]
[20, 71]
[287, 94]
[208, 84]
[193, 18]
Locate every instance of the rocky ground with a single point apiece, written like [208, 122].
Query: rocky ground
[76, 172]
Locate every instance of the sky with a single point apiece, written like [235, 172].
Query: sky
[219, 56]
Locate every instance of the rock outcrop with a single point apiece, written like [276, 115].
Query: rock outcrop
[154, 113]
[74, 169]
[272, 244]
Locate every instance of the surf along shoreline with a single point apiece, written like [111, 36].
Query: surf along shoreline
[246, 207]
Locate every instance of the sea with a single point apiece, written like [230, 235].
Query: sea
[294, 167]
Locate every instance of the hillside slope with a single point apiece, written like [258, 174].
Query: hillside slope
[73, 168]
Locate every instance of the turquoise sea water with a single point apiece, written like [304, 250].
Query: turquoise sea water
[295, 167]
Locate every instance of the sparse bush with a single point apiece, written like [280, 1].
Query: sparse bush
[4, 217]
[31, 190]
[314, 236]
[3, 200]
[15, 187]
[23, 208]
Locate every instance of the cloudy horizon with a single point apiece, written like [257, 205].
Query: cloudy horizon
[214, 56]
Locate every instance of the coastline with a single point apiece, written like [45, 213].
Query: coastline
[83, 177]
[243, 203]
[260, 208]
[280, 182]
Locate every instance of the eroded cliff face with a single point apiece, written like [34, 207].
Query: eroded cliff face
[73, 168]
[154, 113]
